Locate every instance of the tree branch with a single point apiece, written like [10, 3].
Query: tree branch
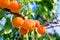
[20, 15]
[56, 25]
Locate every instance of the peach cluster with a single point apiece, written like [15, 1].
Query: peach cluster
[28, 25]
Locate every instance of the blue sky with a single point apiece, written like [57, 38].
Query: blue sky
[57, 9]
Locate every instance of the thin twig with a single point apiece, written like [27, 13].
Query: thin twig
[56, 25]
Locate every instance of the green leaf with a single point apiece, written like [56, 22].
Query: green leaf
[8, 26]
[31, 12]
[1, 27]
[53, 38]
[2, 13]
[36, 0]
[1, 32]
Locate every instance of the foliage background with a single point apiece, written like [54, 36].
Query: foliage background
[41, 10]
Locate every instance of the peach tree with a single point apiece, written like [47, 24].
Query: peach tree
[25, 19]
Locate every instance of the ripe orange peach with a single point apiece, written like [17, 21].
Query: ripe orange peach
[4, 3]
[14, 6]
[28, 24]
[41, 29]
[37, 23]
[18, 21]
[23, 31]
